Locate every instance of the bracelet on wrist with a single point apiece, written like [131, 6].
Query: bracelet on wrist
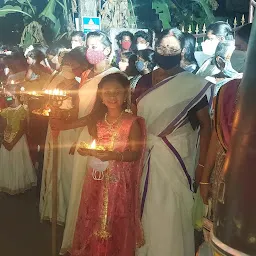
[201, 165]
[204, 183]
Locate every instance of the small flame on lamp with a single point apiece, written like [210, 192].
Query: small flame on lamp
[12, 82]
[22, 89]
[93, 145]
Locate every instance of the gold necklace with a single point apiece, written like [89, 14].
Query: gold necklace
[116, 121]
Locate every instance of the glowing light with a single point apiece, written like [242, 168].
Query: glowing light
[22, 89]
[93, 145]
[12, 82]
[33, 93]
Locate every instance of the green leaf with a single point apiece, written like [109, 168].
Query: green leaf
[31, 7]
[163, 12]
[204, 5]
[8, 9]
[49, 10]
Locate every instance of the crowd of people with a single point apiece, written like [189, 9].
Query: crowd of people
[161, 115]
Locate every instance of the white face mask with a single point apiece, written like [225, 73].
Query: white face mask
[75, 44]
[141, 46]
[6, 71]
[209, 46]
[238, 59]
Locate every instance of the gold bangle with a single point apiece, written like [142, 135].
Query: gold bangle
[204, 183]
[201, 165]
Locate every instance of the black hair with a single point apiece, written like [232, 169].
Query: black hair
[189, 44]
[149, 56]
[78, 54]
[16, 62]
[170, 32]
[103, 38]
[222, 29]
[222, 49]
[79, 34]
[54, 50]
[244, 32]
[144, 35]
[99, 110]
[37, 55]
[132, 58]
[121, 35]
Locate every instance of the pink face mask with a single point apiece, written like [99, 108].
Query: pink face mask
[95, 56]
[126, 45]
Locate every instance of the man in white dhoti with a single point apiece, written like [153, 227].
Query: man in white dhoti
[175, 108]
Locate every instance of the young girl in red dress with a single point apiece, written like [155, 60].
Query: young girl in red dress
[109, 215]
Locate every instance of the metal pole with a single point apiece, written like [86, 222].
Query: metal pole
[234, 231]
[251, 10]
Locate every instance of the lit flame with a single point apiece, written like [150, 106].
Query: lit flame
[93, 145]
[12, 82]
[33, 93]
[22, 89]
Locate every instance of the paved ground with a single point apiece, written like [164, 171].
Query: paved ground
[21, 233]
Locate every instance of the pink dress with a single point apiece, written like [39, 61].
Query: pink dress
[109, 216]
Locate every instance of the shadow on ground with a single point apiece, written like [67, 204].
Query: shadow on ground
[21, 233]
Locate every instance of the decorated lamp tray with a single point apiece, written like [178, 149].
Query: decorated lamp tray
[42, 112]
[91, 147]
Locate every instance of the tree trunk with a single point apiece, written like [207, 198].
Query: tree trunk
[87, 8]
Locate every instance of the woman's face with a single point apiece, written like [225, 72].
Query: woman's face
[77, 69]
[210, 44]
[169, 46]
[123, 64]
[94, 43]
[113, 95]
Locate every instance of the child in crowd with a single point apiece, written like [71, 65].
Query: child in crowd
[17, 172]
[109, 214]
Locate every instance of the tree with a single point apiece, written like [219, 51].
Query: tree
[34, 21]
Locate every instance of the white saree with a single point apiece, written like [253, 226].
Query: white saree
[166, 196]
[87, 95]
[65, 161]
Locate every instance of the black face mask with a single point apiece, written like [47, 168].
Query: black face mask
[167, 62]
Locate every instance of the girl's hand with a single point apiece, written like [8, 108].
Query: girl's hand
[102, 155]
[84, 152]
[72, 149]
[105, 155]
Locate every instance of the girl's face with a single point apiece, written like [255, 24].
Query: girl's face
[30, 61]
[123, 64]
[113, 95]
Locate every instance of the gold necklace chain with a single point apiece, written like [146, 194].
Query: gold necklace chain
[116, 121]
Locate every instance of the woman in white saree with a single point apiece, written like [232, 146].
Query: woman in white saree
[97, 54]
[167, 197]
[64, 80]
